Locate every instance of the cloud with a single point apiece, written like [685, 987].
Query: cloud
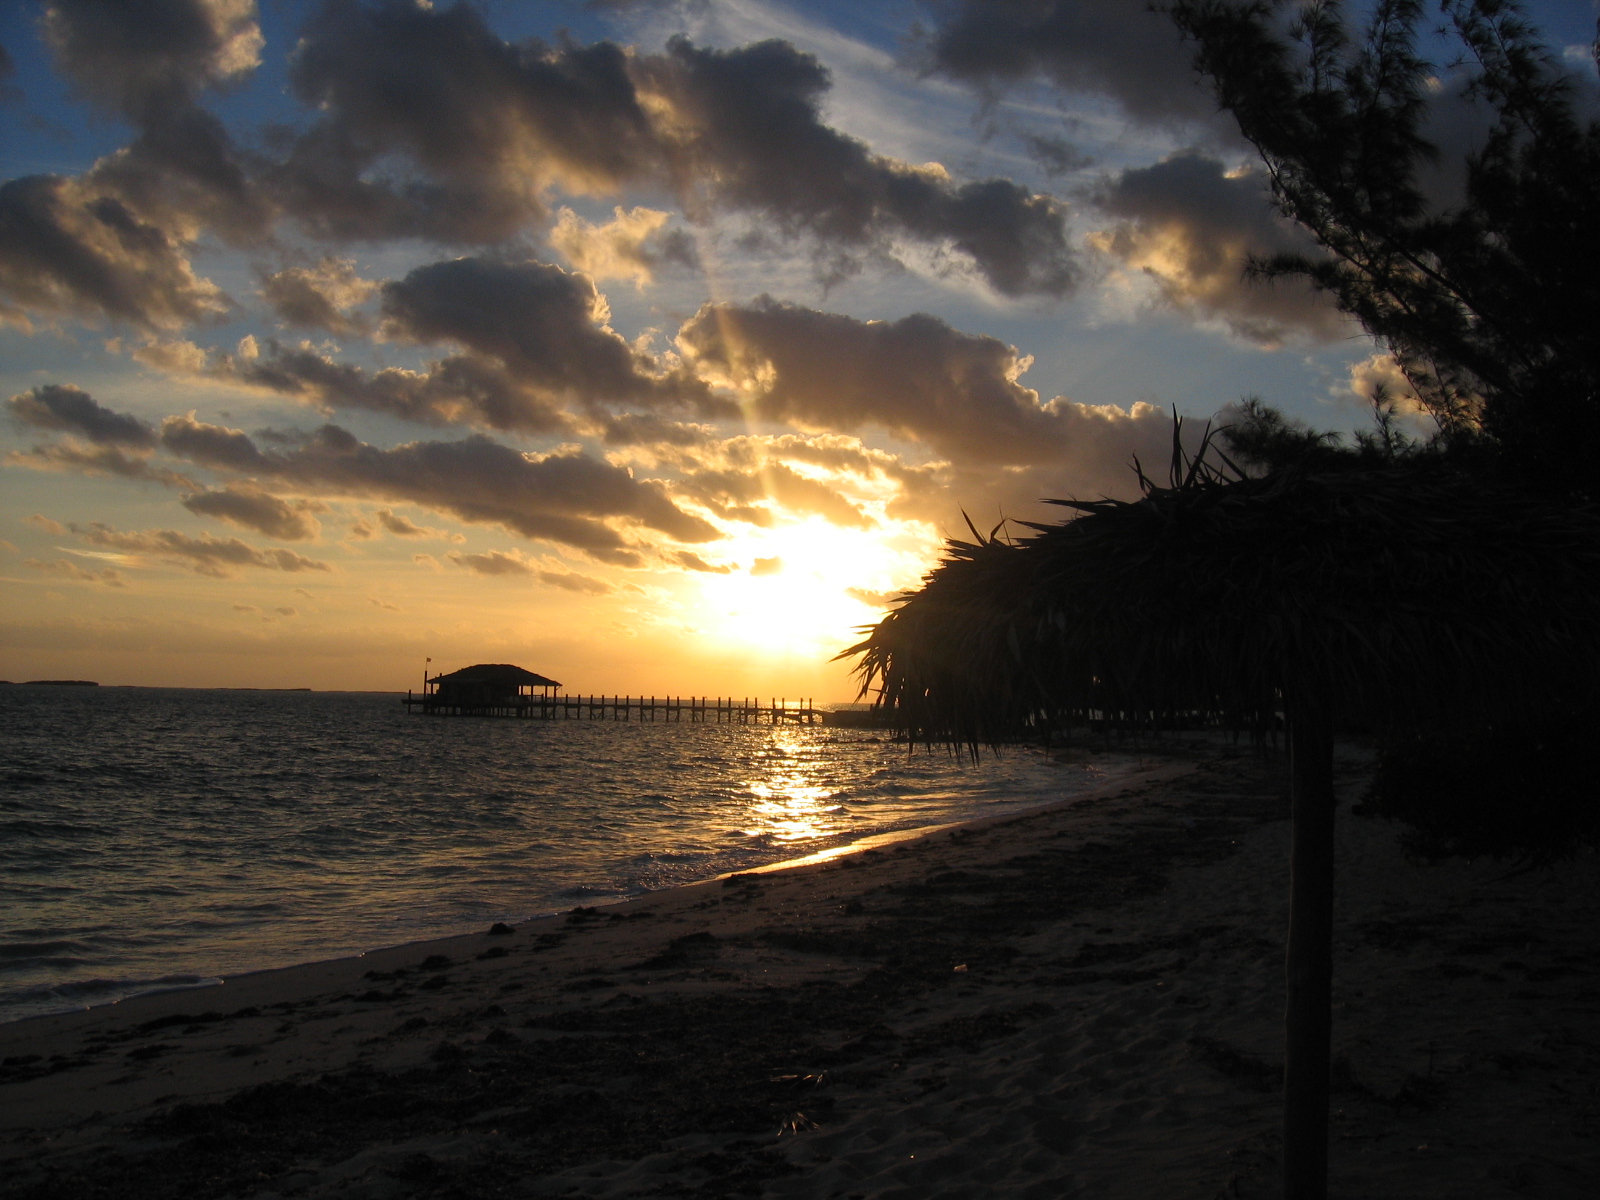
[1379, 379]
[513, 562]
[916, 378]
[634, 429]
[767, 566]
[535, 343]
[569, 498]
[130, 56]
[319, 297]
[205, 555]
[492, 562]
[544, 325]
[284, 610]
[246, 608]
[63, 569]
[112, 244]
[1122, 49]
[68, 249]
[63, 407]
[175, 356]
[403, 526]
[71, 455]
[746, 126]
[730, 493]
[384, 604]
[1192, 226]
[255, 509]
[571, 581]
[427, 560]
[687, 558]
[621, 248]
[149, 63]
[490, 126]
[459, 390]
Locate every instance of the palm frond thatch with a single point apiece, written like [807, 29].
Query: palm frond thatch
[1405, 592]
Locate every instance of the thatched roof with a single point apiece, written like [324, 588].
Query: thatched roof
[1400, 592]
[502, 674]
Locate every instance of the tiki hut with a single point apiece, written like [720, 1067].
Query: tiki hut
[487, 688]
[1406, 593]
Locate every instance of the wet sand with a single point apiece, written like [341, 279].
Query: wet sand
[1080, 1001]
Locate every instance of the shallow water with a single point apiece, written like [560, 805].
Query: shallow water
[154, 838]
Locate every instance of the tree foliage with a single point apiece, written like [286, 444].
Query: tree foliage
[1489, 303]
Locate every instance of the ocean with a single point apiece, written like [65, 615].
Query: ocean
[160, 838]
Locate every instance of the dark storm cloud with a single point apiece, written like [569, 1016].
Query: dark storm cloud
[1193, 226]
[1123, 49]
[60, 406]
[566, 498]
[491, 125]
[543, 324]
[916, 378]
[254, 509]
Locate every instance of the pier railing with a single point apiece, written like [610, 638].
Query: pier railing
[720, 710]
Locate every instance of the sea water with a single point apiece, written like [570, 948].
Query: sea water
[156, 838]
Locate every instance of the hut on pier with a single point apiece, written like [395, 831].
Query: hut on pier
[488, 689]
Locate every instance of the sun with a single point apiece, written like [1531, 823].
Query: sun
[808, 587]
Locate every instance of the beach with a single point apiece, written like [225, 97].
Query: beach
[1082, 1000]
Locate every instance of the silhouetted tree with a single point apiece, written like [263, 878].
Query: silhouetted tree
[1489, 302]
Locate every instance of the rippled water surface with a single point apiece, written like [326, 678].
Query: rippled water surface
[161, 837]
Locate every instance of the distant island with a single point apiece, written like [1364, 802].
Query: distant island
[55, 683]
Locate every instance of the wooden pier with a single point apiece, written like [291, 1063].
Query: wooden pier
[720, 710]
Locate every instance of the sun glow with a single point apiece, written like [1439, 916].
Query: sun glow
[809, 587]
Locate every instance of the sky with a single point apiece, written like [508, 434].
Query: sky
[651, 346]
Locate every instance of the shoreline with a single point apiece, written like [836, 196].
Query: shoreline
[1084, 1000]
[207, 982]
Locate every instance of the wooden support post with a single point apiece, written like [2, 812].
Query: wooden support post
[1308, 1012]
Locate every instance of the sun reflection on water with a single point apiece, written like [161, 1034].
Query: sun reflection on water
[788, 804]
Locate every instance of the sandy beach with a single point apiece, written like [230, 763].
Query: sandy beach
[1079, 1001]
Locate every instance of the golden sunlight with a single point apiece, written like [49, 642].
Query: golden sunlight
[809, 587]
